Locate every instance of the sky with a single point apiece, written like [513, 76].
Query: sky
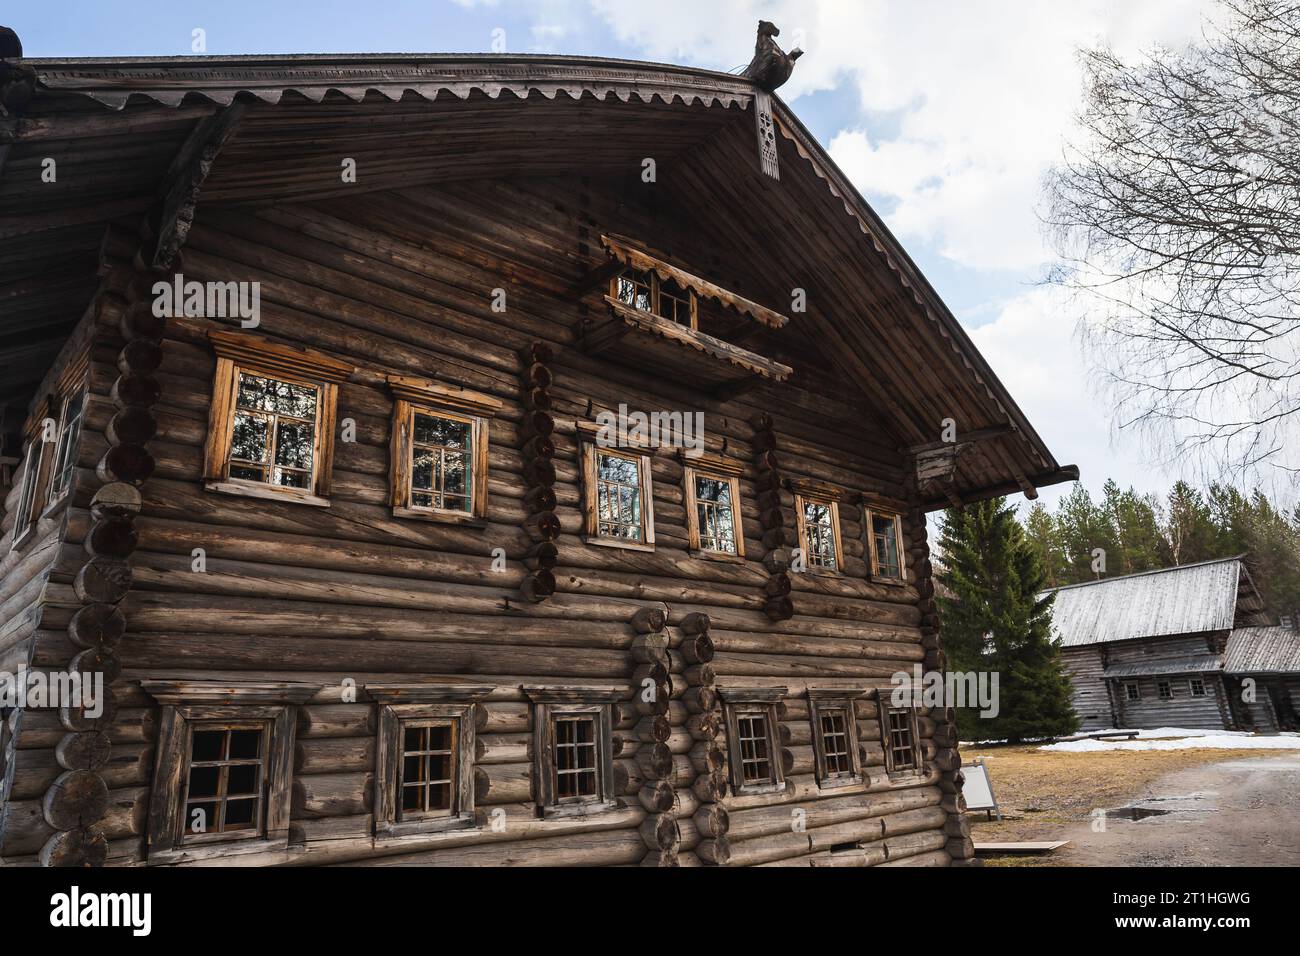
[945, 115]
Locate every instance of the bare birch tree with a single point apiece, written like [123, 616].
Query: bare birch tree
[1176, 210]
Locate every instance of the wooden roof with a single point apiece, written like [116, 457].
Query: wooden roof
[115, 126]
[1203, 598]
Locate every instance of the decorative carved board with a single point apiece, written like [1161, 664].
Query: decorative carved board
[766, 134]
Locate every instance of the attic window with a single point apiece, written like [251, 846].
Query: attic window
[655, 313]
[646, 292]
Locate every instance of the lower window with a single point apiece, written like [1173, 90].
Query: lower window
[424, 763]
[902, 743]
[754, 750]
[224, 775]
[1164, 690]
[835, 736]
[1197, 687]
[572, 738]
[225, 779]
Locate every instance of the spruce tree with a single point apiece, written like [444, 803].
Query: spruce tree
[994, 620]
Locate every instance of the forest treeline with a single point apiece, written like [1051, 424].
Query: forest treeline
[1142, 532]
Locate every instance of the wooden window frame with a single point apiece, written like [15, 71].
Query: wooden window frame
[398, 706]
[739, 701]
[551, 701]
[245, 353]
[589, 449]
[1192, 682]
[918, 755]
[189, 704]
[1134, 686]
[803, 498]
[719, 469]
[871, 514]
[655, 285]
[54, 495]
[412, 396]
[821, 701]
[1166, 684]
[35, 462]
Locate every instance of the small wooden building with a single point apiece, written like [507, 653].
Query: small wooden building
[313, 370]
[1154, 649]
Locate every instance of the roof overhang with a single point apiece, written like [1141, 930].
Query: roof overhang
[118, 125]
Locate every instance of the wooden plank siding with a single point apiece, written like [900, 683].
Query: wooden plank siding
[401, 282]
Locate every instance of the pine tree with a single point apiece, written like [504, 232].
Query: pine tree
[995, 621]
[1190, 527]
[1042, 535]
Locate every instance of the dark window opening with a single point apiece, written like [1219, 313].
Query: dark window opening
[224, 785]
[576, 773]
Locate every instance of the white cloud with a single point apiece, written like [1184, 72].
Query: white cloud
[980, 95]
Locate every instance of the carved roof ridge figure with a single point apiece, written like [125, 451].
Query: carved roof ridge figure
[771, 66]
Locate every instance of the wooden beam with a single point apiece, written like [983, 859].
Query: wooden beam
[596, 277]
[179, 192]
[1030, 491]
[980, 434]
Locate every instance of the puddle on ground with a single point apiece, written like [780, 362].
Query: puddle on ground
[1134, 813]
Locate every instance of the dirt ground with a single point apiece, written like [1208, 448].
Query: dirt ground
[1220, 807]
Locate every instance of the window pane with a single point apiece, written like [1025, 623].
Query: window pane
[204, 781]
[276, 426]
[66, 457]
[293, 443]
[885, 534]
[447, 432]
[242, 780]
[207, 745]
[820, 542]
[633, 288]
[441, 463]
[614, 468]
[245, 744]
[618, 497]
[240, 813]
[249, 439]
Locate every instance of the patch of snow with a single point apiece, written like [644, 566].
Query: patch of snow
[1164, 739]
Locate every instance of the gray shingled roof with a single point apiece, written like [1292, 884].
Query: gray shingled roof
[1191, 599]
[1263, 650]
[1188, 664]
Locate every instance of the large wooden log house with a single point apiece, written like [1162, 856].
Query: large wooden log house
[365, 578]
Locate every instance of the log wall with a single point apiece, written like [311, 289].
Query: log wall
[403, 282]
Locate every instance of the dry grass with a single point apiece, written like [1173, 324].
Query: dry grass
[1042, 793]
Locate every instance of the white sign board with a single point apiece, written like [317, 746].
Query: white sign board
[977, 790]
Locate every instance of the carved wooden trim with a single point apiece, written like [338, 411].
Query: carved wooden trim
[636, 257]
[687, 338]
[274, 357]
[185, 177]
[454, 397]
[181, 691]
[427, 693]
